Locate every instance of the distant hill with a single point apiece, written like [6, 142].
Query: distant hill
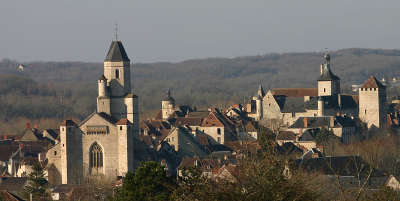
[200, 82]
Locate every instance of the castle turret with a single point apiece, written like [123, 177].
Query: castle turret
[102, 83]
[372, 99]
[167, 106]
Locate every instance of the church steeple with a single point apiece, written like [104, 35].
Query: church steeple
[116, 52]
[117, 70]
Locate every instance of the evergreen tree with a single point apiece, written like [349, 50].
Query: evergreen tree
[149, 182]
[37, 184]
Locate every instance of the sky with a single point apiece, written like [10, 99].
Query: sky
[177, 30]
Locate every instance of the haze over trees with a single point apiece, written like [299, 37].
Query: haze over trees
[46, 92]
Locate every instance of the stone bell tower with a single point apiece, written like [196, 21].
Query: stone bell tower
[115, 96]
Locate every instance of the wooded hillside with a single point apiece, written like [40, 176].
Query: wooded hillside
[52, 90]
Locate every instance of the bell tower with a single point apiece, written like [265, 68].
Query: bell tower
[117, 70]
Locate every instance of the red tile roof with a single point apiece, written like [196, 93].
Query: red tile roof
[123, 121]
[372, 82]
[68, 122]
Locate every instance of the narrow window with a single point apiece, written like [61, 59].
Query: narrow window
[324, 90]
[219, 131]
[365, 111]
[173, 139]
[55, 153]
[120, 128]
[117, 73]
[219, 139]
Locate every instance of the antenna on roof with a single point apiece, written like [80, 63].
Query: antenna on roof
[116, 31]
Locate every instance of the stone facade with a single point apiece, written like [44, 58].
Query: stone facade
[372, 98]
[101, 146]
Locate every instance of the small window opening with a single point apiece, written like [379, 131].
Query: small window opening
[120, 128]
[117, 73]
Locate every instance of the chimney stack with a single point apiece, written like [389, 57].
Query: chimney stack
[332, 121]
[28, 126]
[305, 122]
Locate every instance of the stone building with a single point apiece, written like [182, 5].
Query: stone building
[101, 146]
[372, 96]
[285, 105]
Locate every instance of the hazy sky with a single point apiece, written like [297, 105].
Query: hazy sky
[175, 30]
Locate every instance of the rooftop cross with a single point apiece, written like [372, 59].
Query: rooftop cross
[116, 31]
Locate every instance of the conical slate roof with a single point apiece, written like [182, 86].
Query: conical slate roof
[327, 75]
[117, 52]
[372, 82]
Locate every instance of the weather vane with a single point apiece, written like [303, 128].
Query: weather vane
[116, 31]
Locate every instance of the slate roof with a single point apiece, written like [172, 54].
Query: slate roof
[190, 121]
[288, 148]
[327, 75]
[291, 104]
[68, 122]
[340, 165]
[286, 135]
[7, 196]
[349, 101]
[318, 122]
[13, 184]
[102, 77]
[372, 82]
[117, 52]
[295, 92]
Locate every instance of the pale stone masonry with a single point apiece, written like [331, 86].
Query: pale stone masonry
[372, 95]
[101, 146]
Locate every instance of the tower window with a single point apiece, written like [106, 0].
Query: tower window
[324, 90]
[120, 128]
[365, 111]
[96, 156]
[117, 73]
[219, 131]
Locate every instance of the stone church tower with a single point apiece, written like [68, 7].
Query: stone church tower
[167, 106]
[328, 83]
[102, 144]
[372, 98]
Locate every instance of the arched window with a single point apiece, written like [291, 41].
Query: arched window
[96, 156]
[117, 73]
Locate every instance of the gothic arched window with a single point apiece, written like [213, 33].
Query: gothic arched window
[96, 156]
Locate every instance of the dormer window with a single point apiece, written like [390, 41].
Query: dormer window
[117, 73]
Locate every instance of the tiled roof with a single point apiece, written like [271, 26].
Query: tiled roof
[295, 92]
[291, 104]
[338, 165]
[7, 196]
[123, 121]
[286, 135]
[372, 82]
[327, 75]
[68, 122]
[116, 52]
[14, 184]
[190, 121]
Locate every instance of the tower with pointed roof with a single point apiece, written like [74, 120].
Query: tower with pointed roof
[372, 99]
[115, 96]
[102, 145]
[167, 106]
[328, 83]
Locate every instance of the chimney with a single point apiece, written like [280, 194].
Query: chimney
[35, 126]
[321, 66]
[332, 121]
[28, 126]
[305, 120]
[5, 137]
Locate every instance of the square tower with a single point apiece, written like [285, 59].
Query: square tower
[372, 99]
